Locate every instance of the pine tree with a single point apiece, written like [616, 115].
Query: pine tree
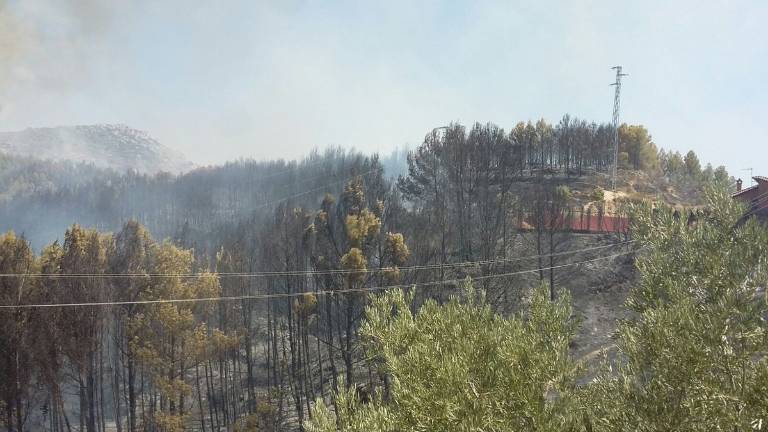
[17, 339]
[166, 337]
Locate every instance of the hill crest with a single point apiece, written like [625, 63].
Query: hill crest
[115, 146]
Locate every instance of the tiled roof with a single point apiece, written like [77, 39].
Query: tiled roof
[735, 194]
[760, 178]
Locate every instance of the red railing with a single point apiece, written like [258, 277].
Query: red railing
[579, 221]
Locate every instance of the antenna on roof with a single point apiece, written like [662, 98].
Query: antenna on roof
[751, 180]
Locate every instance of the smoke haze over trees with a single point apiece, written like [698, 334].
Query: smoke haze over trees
[286, 255]
[48, 197]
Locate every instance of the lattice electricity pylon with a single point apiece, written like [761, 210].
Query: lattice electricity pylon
[616, 105]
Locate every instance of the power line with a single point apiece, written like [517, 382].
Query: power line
[299, 294]
[310, 272]
[755, 205]
[306, 192]
[297, 164]
[324, 176]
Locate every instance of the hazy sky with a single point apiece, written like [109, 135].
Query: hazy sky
[221, 80]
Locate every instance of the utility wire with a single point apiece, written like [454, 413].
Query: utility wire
[317, 189]
[291, 169]
[299, 294]
[325, 176]
[755, 205]
[309, 272]
[306, 192]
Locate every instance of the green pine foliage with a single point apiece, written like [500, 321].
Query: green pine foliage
[637, 150]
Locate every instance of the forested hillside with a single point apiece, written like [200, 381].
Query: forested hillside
[240, 297]
[41, 199]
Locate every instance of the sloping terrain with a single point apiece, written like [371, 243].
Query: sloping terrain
[107, 146]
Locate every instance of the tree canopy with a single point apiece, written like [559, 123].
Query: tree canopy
[460, 366]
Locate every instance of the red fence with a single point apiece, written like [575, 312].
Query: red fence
[579, 221]
[599, 224]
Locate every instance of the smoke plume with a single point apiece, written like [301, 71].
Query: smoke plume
[45, 44]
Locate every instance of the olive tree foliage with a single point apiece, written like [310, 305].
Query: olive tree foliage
[692, 357]
[460, 366]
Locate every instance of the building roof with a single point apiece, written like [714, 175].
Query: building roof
[735, 194]
[758, 179]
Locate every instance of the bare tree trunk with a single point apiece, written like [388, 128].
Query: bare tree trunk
[223, 391]
[295, 364]
[309, 388]
[131, 392]
[9, 415]
[102, 420]
[199, 395]
[83, 404]
[249, 359]
[212, 407]
[319, 357]
[116, 376]
[551, 266]
[348, 342]
[331, 353]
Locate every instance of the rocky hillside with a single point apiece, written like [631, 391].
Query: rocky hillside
[109, 146]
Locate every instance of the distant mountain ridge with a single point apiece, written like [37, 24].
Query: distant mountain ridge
[113, 146]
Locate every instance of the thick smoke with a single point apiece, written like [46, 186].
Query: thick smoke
[13, 40]
[45, 45]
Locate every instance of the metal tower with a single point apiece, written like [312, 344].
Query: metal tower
[616, 104]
